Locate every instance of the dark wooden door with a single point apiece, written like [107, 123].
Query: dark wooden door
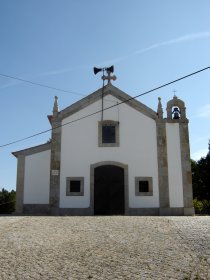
[109, 190]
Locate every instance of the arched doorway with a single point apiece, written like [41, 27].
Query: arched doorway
[109, 191]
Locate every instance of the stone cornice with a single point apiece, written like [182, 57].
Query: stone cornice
[33, 150]
[112, 90]
[180, 121]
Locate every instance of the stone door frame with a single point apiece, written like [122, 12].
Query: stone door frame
[92, 175]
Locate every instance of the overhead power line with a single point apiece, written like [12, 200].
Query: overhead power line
[107, 108]
[44, 85]
[41, 85]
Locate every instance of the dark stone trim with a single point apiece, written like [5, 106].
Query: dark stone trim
[143, 212]
[68, 192]
[21, 155]
[186, 169]
[177, 121]
[162, 164]
[75, 211]
[20, 184]
[135, 104]
[33, 150]
[108, 122]
[81, 104]
[150, 181]
[36, 209]
[112, 90]
[92, 169]
[174, 211]
[190, 211]
[55, 166]
[44, 209]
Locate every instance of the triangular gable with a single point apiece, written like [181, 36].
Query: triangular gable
[112, 90]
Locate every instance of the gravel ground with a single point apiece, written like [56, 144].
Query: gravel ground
[115, 247]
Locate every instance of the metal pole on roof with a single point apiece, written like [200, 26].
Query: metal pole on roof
[109, 70]
[102, 99]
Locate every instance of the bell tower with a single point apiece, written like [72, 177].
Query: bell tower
[176, 109]
[176, 117]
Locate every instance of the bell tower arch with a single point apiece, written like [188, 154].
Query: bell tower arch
[176, 109]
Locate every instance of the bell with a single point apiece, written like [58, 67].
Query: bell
[176, 113]
[176, 116]
[96, 70]
[110, 69]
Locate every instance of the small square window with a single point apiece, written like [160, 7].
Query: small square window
[108, 133]
[74, 186]
[143, 186]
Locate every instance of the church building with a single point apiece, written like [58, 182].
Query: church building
[109, 154]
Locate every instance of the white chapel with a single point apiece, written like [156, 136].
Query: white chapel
[109, 154]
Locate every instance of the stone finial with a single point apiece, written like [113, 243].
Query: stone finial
[160, 109]
[55, 107]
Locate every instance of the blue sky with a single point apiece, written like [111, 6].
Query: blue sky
[57, 43]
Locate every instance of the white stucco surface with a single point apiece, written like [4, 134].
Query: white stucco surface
[37, 178]
[138, 149]
[174, 165]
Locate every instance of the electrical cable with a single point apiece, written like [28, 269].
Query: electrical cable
[107, 108]
[41, 85]
[45, 86]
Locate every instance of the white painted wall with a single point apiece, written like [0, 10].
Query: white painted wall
[174, 165]
[138, 149]
[37, 178]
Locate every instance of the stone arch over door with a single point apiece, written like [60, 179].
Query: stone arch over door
[92, 179]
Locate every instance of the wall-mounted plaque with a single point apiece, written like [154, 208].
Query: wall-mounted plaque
[55, 172]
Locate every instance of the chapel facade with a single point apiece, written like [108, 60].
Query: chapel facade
[119, 159]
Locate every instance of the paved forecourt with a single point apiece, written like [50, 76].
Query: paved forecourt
[114, 247]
